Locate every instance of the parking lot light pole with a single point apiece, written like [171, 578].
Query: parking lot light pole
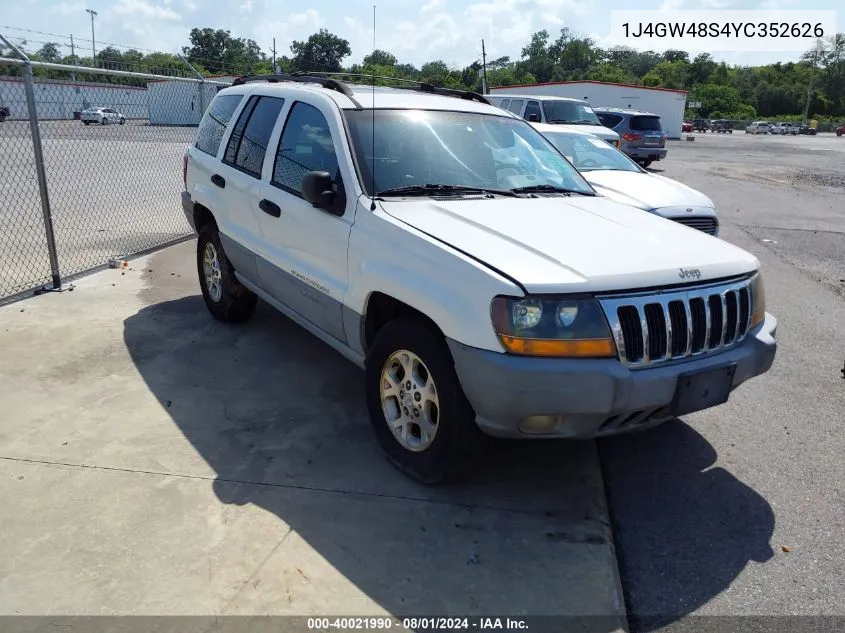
[93, 47]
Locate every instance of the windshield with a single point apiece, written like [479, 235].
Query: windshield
[459, 149]
[591, 154]
[569, 112]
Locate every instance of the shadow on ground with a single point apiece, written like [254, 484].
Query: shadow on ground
[684, 527]
[281, 419]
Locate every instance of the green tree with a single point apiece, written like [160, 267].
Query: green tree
[50, 52]
[715, 98]
[321, 51]
[380, 58]
[219, 52]
[667, 75]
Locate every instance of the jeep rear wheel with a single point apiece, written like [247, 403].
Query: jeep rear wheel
[225, 297]
[418, 410]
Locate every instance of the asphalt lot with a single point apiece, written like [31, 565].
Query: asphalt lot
[113, 191]
[703, 508]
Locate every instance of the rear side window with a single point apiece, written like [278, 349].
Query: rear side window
[646, 123]
[609, 120]
[516, 106]
[214, 122]
[248, 142]
[533, 108]
[505, 104]
[306, 145]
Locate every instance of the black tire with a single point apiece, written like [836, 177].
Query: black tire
[644, 163]
[458, 442]
[122, 121]
[236, 302]
[87, 122]
[105, 121]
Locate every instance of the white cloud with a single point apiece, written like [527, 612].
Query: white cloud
[68, 8]
[296, 26]
[309, 18]
[246, 7]
[144, 9]
[431, 5]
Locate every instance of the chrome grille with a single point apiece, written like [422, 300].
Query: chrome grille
[708, 225]
[660, 326]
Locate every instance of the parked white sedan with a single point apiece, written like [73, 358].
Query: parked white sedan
[103, 116]
[614, 175]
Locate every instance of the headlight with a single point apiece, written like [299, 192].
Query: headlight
[758, 300]
[553, 327]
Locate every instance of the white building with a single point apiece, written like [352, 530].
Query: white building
[57, 99]
[667, 103]
[173, 102]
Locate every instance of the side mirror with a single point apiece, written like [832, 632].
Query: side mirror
[534, 118]
[318, 189]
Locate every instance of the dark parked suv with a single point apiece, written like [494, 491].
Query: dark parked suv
[641, 134]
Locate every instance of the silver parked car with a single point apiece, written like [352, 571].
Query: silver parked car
[103, 116]
[758, 127]
[614, 175]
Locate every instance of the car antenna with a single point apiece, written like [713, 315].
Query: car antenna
[373, 111]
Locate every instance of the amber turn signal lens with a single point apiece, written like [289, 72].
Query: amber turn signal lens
[583, 348]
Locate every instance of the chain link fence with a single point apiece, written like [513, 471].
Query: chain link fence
[90, 168]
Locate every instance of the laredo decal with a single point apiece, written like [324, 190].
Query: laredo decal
[311, 282]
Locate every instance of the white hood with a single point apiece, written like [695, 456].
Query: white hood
[647, 191]
[575, 244]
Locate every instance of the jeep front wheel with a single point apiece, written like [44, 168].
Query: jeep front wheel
[226, 298]
[418, 410]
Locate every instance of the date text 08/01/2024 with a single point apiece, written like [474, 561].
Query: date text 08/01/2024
[417, 624]
[727, 29]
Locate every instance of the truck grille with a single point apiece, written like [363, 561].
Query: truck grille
[661, 326]
[708, 225]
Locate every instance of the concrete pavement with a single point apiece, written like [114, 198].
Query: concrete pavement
[153, 461]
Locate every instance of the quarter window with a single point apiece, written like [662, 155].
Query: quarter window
[248, 142]
[306, 145]
[214, 122]
[609, 120]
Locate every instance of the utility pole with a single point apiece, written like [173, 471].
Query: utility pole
[93, 48]
[275, 70]
[73, 55]
[484, 69]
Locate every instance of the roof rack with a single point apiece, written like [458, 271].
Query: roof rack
[420, 86]
[325, 82]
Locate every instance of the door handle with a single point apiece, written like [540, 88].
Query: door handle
[219, 181]
[270, 208]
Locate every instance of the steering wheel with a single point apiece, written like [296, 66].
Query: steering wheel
[589, 162]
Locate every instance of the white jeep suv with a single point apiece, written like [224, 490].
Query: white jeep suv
[452, 252]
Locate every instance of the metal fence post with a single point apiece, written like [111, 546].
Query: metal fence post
[200, 85]
[42, 177]
[39, 165]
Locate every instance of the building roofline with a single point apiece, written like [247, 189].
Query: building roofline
[588, 81]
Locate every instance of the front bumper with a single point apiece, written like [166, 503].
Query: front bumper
[591, 397]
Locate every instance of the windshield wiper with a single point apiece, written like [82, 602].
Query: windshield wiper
[429, 189]
[550, 189]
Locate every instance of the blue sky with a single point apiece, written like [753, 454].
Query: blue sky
[414, 30]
